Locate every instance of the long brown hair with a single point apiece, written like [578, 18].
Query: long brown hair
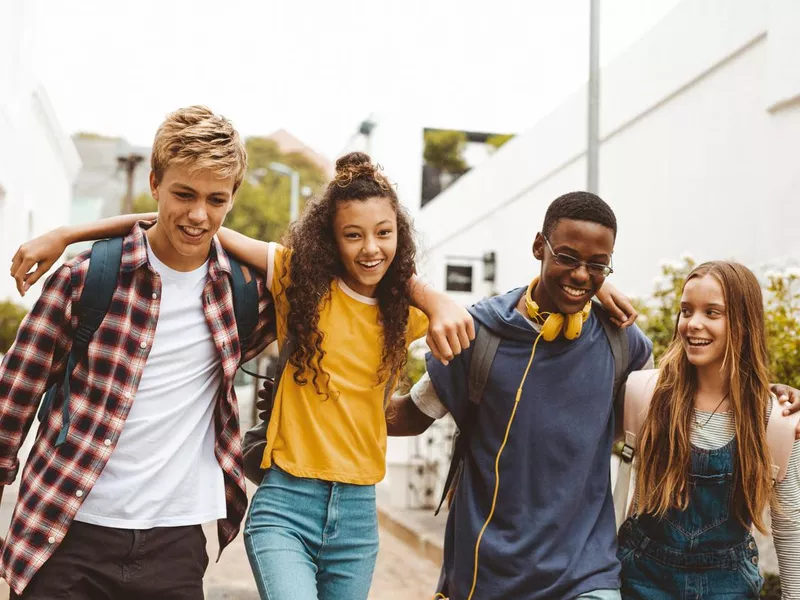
[315, 262]
[665, 446]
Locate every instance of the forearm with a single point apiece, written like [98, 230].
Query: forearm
[244, 249]
[104, 228]
[404, 418]
[422, 295]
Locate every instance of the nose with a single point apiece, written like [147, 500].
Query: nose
[695, 322]
[198, 214]
[580, 274]
[371, 245]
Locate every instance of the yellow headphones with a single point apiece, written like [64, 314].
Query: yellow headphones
[554, 323]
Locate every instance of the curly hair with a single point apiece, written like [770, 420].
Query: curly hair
[315, 262]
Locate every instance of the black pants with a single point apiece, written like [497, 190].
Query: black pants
[104, 563]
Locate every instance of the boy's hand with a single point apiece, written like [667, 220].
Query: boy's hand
[618, 305]
[42, 252]
[789, 398]
[264, 404]
[450, 330]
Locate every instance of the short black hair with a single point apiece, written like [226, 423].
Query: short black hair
[580, 206]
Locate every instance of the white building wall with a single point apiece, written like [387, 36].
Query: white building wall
[38, 162]
[699, 122]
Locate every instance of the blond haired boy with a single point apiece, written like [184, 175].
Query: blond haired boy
[153, 448]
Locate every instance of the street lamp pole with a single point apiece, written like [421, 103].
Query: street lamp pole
[294, 176]
[593, 120]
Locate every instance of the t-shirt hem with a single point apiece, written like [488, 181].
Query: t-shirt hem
[179, 521]
[328, 475]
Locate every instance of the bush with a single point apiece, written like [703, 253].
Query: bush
[11, 316]
[772, 587]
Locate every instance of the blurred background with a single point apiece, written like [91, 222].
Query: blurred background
[683, 115]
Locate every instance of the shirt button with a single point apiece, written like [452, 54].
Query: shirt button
[79, 493]
[107, 442]
[754, 560]
[128, 395]
[155, 296]
[143, 345]
[51, 540]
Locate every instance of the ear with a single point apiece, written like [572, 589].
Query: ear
[153, 186]
[538, 247]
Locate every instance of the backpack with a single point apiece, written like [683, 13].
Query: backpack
[98, 290]
[483, 353]
[637, 395]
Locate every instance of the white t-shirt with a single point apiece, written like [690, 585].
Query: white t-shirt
[164, 472]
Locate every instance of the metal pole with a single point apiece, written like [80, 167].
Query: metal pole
[294, 206]
[593, 121]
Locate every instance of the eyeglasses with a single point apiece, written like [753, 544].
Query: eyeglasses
[570, 262]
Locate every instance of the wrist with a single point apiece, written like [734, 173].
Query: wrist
[66, 234]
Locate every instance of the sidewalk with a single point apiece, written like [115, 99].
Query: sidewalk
[418, 528]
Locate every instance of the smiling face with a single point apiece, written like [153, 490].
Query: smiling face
[563, 289]
[191, 208]
[366, 235]
[703, 322]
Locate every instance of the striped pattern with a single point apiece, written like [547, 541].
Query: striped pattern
[785, 517]
[104, 384]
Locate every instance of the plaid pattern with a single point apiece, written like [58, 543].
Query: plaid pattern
[104, 383]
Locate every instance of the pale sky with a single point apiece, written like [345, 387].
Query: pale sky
[316, 67]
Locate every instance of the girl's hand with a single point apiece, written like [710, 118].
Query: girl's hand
[618, 305]
[41, 252]
[450, 330]
[789, 398]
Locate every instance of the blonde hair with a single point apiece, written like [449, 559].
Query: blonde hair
[196, 138]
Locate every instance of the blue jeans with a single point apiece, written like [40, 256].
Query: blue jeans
[600, 595]
[309, 539]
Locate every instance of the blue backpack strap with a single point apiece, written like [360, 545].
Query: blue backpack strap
[98, 290]
[245, 302]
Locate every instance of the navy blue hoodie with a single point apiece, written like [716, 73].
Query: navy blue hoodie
[553, 533]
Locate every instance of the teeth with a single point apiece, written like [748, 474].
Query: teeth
[699, 342]
[371, 263]
[193, 230]
[573, 291]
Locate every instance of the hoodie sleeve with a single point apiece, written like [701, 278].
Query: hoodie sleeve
[451, 383]
[640, 348]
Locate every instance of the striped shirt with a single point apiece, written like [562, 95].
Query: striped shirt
[56, 480]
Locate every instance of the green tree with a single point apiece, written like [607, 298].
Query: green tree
[783, 326]
[498, 140]
[144, 203]
[11, 316]
[444, 150]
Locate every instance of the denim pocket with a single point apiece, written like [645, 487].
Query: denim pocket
[751, 576]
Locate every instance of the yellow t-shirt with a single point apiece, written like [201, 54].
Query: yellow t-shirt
[340, 438]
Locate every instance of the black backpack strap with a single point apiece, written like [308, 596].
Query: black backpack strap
[483, 353]
[245, 302]
[618, 340]
[98, 290]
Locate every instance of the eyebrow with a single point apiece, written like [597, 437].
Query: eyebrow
[709, 305]
[186, 188]
[384, 222]
[568, 249]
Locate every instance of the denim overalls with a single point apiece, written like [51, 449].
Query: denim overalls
[701, 552]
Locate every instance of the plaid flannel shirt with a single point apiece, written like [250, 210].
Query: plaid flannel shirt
[103, 387]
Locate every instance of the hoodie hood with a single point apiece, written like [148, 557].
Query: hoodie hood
[501, 316]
